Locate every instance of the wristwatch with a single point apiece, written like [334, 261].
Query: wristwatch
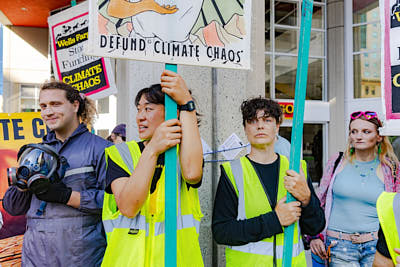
[189, 106]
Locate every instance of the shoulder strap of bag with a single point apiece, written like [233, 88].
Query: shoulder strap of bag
[337, 162]
[394, 171]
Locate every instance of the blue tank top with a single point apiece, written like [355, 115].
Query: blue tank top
[355, 192]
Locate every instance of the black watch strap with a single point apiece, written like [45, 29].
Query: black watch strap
[189, 106]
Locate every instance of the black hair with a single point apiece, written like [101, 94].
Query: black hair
[153, 95]
[251, 106]
[122, 137]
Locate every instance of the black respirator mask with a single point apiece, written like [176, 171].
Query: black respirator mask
[38, 166]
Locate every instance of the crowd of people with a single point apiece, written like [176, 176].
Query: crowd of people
[108, 208]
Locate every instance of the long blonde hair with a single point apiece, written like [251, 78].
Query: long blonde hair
[386, 155]
[87, 111]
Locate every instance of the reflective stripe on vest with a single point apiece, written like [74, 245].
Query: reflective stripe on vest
[260, 247]
[125, 154]
[139, 222]
[267, 248]
[182, 222]
[396, 212]
[237, 172]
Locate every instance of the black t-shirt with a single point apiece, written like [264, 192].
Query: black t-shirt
[381, 246]
[114, 172]
[269, 175]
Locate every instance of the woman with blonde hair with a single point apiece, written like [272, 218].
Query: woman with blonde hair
[348, 192]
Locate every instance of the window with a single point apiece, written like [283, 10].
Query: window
[282, 22]
[103, 105]
[29, 98]
[103, 133]
[312, 148]
[366, 48]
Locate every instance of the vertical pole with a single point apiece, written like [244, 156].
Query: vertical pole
[73, 2]
[298, 117]
[214, 146]
[170, 185]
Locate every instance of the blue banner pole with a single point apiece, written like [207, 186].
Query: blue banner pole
[170, 185]
[298, 116]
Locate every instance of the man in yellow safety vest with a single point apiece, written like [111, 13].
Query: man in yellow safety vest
[133, 210]
[250, 209]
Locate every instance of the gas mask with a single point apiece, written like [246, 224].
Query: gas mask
[38, 166]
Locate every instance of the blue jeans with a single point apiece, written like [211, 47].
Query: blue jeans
[346, 254]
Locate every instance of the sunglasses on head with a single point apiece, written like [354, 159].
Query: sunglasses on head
[367, 114]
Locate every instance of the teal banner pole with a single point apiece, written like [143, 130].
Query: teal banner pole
[73, 2]
[170, 185]
[298, 116]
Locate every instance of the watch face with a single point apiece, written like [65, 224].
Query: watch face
[190, 105]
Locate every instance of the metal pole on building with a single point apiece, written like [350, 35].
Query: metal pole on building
[170, 185]
[298, 117]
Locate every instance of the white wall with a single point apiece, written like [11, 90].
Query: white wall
[24, 61]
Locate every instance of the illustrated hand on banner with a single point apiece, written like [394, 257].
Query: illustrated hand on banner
[193, 32]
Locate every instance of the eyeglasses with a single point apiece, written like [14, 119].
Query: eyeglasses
[367, 114]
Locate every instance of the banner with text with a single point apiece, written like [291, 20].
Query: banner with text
[91, 75]
[16, 129]
[390, 65]
[198, 32]
[287, 109]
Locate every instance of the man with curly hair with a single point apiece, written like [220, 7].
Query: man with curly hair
[250, 207]
[69, 232]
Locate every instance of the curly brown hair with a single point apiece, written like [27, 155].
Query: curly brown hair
[87, 108]
[251, 106]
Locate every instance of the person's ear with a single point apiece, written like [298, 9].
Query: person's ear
[277, 128]
[76, 106]
[244, 128]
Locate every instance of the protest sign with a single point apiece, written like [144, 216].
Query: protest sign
[197, 32]
[390, 65]
[90, 75]
[16, 129]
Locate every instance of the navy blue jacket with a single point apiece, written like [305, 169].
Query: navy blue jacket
[63, 235]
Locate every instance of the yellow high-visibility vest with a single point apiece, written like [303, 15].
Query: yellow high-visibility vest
[252, 202]
[388, 208]
[139, 241]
